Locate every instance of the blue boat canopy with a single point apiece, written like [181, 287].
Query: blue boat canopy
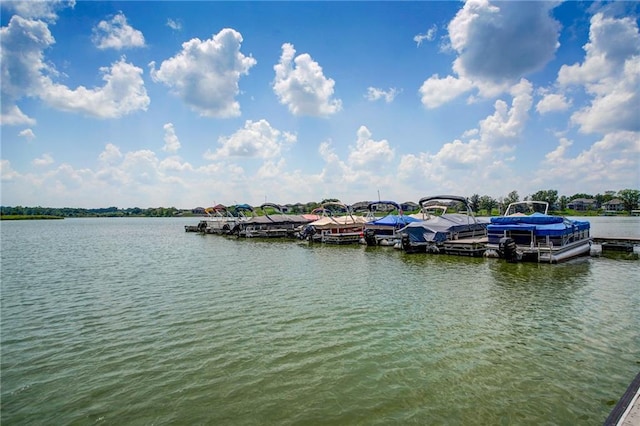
[394, 220]
[534, 219]
[542, 229]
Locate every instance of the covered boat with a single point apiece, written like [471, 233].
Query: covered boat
[383, 231]
[459, 232]
[338, 225]
[528, 232]
[272, 225]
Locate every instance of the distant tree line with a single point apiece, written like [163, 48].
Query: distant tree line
[484, 204]
[99, 212]
[488, 205]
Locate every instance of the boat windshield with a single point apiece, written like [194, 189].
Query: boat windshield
[527, 208]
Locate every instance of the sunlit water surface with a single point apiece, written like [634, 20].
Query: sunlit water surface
[134, 321]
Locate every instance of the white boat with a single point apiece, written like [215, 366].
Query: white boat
[218, 220]
[528, 232]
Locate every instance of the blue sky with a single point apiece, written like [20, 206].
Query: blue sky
[185, 104]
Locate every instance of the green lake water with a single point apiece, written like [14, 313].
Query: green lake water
[134, 321]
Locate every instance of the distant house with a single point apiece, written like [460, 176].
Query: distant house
[295, 208]
[409, 206]
[583, 204]
[198, 210]
[615, 205]
[360, 206]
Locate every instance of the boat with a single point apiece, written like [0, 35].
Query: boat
[383, 231]
[271, 225]
[218, 220]
[527, 232]
[448, 226]
[337, 225]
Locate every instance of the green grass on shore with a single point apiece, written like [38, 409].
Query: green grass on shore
[28, 217]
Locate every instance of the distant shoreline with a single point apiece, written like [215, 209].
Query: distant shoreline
[29, 217]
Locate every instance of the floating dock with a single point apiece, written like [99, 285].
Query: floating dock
[627, 410]
[620, 244]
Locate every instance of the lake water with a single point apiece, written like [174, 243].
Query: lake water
[134, 321]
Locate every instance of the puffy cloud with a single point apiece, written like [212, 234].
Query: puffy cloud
[174, 164]
[44, 160]
[301, 85]
[25, 74]
[117, 34]
[255, 140]
[610, 162]
[205, 74]
[368, 165]
[368, 153]
[505, 124]
[611, 43]
[551, 102]
[496, 45]
[436, 91]
[38, 9]
[503, 41]
[122, 93]
[111, 154]
[171, 141]
[610, 73]
[22, 65]
[483, 157]
[373, 94]
[557, 155]
[27, 134]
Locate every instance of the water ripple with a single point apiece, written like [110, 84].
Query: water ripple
[111, 321]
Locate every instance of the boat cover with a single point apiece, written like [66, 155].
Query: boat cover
[437, 228]
[534, 219]
[557, 229]
[338, 221]
[394, 220]
[277, 219]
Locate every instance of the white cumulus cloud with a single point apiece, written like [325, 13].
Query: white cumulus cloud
[301, 85]
[171, 141]
[205, 74]
[122, 93]
[497, 44]
[504, 40]
[369, 153]
[27, 134]
[551, 102]
[25, 73]
[610, 74]
[255, 140]
[482, 158]
[43, 160]
[613, 159]
[436, 91]
[117, 34]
